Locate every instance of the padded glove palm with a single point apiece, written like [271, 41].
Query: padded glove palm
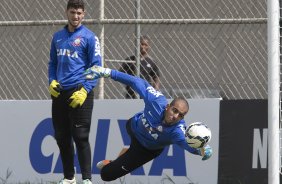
[55, 88]
[96, 72]
[206, 152]
[78, 98]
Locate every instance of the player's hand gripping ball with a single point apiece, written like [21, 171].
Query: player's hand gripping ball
[197, 135]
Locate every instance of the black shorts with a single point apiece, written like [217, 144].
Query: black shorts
[136, 156]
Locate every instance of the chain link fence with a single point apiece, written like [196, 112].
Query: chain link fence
[204, 49]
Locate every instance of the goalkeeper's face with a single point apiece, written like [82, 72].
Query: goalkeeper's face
[175, 112]
[75, 17]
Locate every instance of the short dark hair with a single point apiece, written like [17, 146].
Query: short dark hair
[76, 4]
[179, 99]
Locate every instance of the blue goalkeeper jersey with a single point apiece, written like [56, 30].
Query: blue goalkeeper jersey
[148, 125]
[71, 54]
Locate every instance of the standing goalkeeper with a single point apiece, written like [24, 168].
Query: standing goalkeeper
[151, 130]
[73, 49]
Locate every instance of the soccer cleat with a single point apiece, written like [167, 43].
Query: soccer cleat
[87, 181]
[66, 181]
[102, 163]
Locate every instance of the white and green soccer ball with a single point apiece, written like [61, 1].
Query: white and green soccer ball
[197, 135]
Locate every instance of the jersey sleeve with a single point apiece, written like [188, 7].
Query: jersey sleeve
[52, 65]
[179, 139]
[94, 58]
[141, 86]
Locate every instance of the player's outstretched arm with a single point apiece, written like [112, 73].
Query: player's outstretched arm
[206, 152]
[96, 72]
[139, 85]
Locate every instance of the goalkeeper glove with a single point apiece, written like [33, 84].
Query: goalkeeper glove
[55, 88]
[206, 152]
[78, 98]
[96, 72]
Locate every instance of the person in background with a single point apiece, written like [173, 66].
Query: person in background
[74, 48]
[160, 124]
[148, 69]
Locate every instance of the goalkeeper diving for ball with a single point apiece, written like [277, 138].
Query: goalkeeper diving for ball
[151, 130]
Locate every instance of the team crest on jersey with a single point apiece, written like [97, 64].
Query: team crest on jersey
[160, 128]
[77, 42]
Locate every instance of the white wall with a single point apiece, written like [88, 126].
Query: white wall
[31, 153]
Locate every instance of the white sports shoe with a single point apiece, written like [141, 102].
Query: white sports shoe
[102, 163]
[87, 181]
[66, 181]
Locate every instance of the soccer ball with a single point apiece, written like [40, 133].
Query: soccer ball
[197, 134]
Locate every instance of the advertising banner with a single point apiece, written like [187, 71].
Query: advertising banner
[243, 142]
[29, 152]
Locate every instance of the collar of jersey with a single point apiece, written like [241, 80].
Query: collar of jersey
[75, 30]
